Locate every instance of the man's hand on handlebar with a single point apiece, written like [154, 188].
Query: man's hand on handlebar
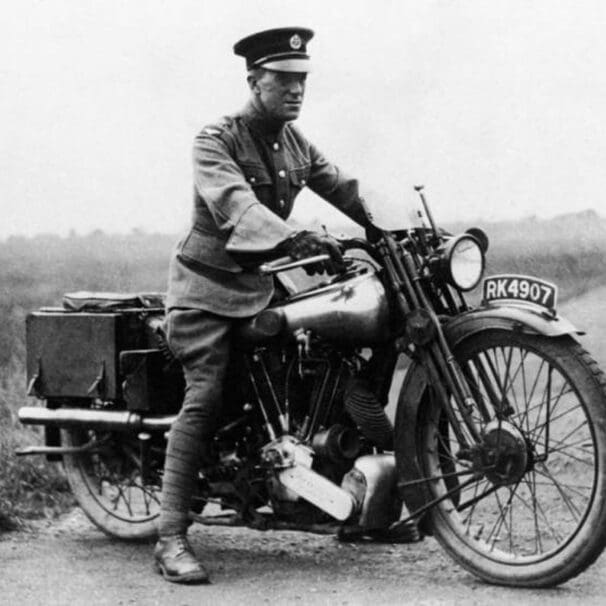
[305, 244]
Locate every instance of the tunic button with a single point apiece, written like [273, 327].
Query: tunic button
[282, 174]
[252, 179]
[303, 182]
[282, 203]
[276, 146]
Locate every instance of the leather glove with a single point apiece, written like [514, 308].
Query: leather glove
[306, 244]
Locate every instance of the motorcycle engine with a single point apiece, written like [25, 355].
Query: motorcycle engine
[315, 394]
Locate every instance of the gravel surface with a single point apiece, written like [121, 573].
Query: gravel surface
[70, 562]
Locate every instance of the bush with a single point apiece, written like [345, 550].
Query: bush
[30, 487]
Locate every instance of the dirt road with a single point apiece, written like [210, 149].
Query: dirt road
[70, 562]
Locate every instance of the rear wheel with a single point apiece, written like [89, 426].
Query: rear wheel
[528, 507]
[110, 485]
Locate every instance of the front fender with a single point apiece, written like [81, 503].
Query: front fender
[517, 318]
[408, 467]
[490, 317]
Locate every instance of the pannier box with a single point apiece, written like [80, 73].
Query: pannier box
[149, 382]
[77, 354]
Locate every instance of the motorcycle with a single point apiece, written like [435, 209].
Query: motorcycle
[498, 448]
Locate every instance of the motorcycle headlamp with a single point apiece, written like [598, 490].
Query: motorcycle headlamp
[462, 261]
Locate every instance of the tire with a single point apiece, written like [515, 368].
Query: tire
[108, 486]
[534, 513]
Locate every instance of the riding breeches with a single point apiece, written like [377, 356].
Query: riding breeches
[200, 341]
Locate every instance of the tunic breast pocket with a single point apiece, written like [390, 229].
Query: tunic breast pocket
[258, 177]
[298, 179]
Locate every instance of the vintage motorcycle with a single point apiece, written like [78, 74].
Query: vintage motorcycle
[498, 447]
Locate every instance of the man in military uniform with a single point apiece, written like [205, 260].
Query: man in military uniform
[248, 169]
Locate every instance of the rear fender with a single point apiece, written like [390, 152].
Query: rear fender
[515, 318]
[52, 435]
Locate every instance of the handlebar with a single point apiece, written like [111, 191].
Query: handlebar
[286, 263]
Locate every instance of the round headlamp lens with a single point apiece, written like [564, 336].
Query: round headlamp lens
[466, 263]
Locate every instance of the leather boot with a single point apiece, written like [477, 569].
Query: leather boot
[176, 561]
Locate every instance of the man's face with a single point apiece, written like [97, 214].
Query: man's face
[280, 93]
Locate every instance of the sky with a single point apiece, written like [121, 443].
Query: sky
[498, 108]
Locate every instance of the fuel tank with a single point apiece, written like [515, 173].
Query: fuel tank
[352, 311]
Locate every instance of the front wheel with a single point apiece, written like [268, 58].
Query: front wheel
[527, 504]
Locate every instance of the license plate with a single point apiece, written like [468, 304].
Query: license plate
[507, 287]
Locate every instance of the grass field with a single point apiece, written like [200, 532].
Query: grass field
[570, 251]
[36, 272]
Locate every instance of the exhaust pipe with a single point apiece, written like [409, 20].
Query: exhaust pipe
[108, 420]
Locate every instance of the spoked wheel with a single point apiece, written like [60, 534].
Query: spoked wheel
[110, 485]
[529, 508]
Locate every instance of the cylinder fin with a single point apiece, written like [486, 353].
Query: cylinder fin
[368, 414]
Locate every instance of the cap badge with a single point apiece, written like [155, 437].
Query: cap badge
[295, 42]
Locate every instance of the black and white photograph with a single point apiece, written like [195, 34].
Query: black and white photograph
[302, 302]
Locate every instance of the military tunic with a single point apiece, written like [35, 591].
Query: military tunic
[246, 178]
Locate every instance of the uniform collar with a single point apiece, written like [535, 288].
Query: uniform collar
[259, 122]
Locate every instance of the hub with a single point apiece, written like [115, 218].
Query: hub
[505, 452]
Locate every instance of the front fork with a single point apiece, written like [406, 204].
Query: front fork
[432, 349]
